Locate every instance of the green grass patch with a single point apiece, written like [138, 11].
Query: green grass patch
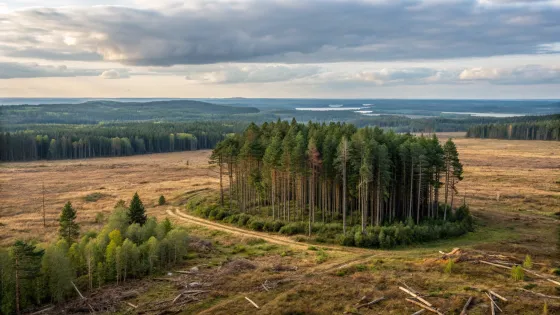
[94, 197]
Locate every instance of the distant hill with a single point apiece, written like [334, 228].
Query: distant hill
[93, 112]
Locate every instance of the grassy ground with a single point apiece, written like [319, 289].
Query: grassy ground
[513, 188]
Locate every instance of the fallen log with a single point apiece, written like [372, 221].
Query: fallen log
[419, 312]
[361, 300]
[493, 302]
[132, 305]
[466, 307]
[553, 281]
[431, 309]
[42, 311]
[176, 298]
[371, 303]
[541, 295]
[250, 301]
[498, 296]
[415, 296]
[495, 265]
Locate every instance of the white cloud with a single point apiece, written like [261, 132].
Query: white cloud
[115, 74]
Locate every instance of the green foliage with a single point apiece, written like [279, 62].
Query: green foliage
[517, 273]
[120, 204]
[93, 197]
[69, 229]
[528, 262]
[321, 257]
[449, 266]
[293, 228]
[161, 200]
[136, 212]
[100, 218]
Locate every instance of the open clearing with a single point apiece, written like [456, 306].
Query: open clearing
[513, 188]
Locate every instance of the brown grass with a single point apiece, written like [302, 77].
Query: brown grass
[114, 178]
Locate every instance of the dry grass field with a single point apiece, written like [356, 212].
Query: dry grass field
[21, 192]
[513, 188]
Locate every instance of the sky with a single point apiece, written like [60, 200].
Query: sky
[280, 48]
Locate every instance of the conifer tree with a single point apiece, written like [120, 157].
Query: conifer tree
[69, 229]
[136, 212]
[26, 260]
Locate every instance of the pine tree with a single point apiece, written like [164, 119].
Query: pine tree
[161, 200]
[69, 229]
[26, 260]
[136, 212]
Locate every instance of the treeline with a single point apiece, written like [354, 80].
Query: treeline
[129, 246]
[94, 112]
[331, 172]
[40, 142]
[547, 128]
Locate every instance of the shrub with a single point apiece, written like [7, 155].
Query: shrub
[222, 214]
[213, 213]
[161, 200]
[528, 262]
[232, 219]
[322, 256]
[243, 219]
[100, 217]
[517, 273]
[94, 197]
[449, 266]
[293, 228]
[345, 240]
[256, 224]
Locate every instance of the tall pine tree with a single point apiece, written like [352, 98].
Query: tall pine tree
[136, 212]
[69, 229]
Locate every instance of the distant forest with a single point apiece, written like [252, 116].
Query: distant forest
[86, 141]
[109, 128]
[526, 128]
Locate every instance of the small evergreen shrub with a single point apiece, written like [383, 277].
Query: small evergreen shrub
[293, 228]
[256, 224]
[449, 266]
[517, 273]
[528, 262]
[243, 219]
[161, 200]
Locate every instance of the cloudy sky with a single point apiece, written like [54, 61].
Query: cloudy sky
[280, 48]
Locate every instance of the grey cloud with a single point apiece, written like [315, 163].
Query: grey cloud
[251, 73]
[297, 31]
[13, 70]
[52, 55]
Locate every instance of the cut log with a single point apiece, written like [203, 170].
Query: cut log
[541, 295]
[466, 307]
[431, 309]
[176, 298]
[250, 301]
[553, 281]
[415, 296]
[371, 303]
[132, 305]
[498, 296]
[80, 293]
[493, 302]
[43, 310]
[360, 301]
[495, 265]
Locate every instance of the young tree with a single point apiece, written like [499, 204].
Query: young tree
[69, 229]
[161, 200]
[26, 260]
[136, 212]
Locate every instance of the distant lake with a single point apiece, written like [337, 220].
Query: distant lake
[497, 115]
